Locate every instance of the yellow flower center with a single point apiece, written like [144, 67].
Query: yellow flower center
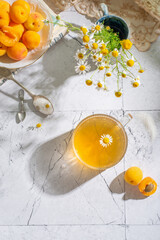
[130, 63]
[94, 45]
[47, 106]
[87, 46]
[115, 53]
[108, 28]
[99, 59]
[107, 67]
[106, 140]
[141, 71]
[80, 55]
[38, 125]
[101, 68]
[135, 84]
[89, 82]
[84, 30]
[86, 38]
[108, 74]
[82, 67]
[97, 27]
[126, 44]
[124, 75]
[94, 56]
[104, 51]
[99, 84]
[118, 94]
[103, 46]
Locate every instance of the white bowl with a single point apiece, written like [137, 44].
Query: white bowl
[46, 37]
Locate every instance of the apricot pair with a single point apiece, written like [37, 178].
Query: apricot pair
[19, 50]
[134, 176]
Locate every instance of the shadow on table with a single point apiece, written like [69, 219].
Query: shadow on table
[58, 65]
[130, 192]
[54, 168]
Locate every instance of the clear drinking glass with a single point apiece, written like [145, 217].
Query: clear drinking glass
[100, 141]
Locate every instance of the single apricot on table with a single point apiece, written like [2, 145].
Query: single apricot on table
[4, 18]
[133, 175]
[17, 52]
[23, 4]
[3, 49]
[147, 186]
[4, 5]
[18, 14]
[31, 39]
[34, 22]
[8, 37]
[18, 28]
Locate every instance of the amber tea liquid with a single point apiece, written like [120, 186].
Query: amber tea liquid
[99, 141]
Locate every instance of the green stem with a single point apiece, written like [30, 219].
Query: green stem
[70, 27]
[88, 55]
[93, 73]
[126, 69]
[117, 74]
[125, 53]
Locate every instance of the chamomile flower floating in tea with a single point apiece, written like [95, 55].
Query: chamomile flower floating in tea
[106, 140]
[104, 47]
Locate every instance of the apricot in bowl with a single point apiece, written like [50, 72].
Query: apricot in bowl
[17, 52]
[31, 39]
[34, 22]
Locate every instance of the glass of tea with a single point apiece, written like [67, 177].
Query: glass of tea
[100, 141]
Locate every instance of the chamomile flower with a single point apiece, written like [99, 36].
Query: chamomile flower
[118, 93]
[124, 75]
[106, 140]
[84, 30]
[107, 65]
[130, 62]
[98, 27]
[94, 45]
[82, 67]
[86, 39]
[115, 53]
[104, 52]
[136, 83]
[102, 45]
[89, 82]
[126, 44]
[141, 70]
[99, 85]
[99, 58]
[94, 57]
[108, 74]
[108, 28]
[101, 66]
[86, 46]
[80, 54]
